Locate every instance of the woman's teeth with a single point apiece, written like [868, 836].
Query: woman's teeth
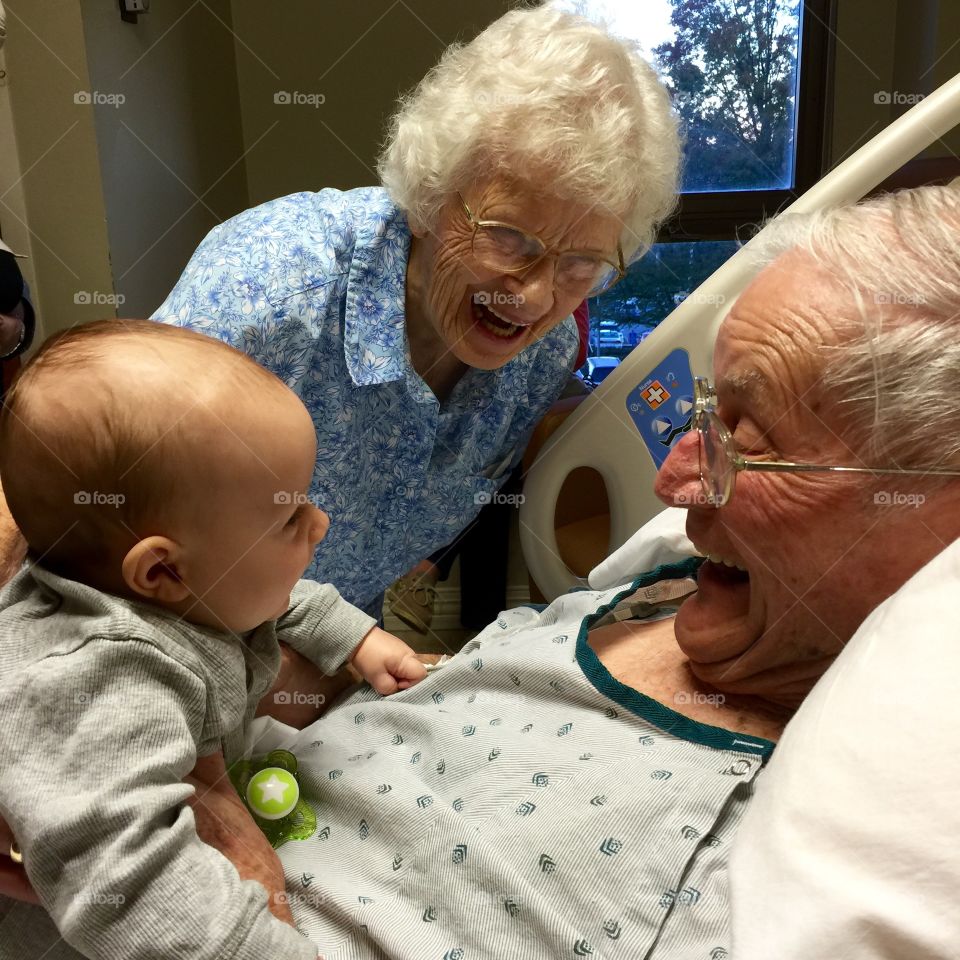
[492, 321]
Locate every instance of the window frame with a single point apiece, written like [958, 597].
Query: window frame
[720, 215]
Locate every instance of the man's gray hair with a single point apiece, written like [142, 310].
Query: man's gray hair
[897, 372]
[548, 97]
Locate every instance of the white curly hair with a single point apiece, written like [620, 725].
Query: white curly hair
[547, 97]
[897, 369]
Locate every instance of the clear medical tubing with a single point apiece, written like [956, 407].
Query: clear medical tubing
[601, 434]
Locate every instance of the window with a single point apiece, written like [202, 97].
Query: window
[748, 80]
[653, 286]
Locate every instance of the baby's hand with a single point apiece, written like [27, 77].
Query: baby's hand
[386, 662]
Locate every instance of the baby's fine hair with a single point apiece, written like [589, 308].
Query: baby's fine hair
[92, 457]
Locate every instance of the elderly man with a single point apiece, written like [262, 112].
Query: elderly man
[571, 786]
[850, 849]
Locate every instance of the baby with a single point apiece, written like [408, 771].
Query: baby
[159, 478]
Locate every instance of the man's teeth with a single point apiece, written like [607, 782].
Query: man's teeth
[716, 558]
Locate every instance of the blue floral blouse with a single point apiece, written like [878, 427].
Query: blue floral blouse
[312, 287]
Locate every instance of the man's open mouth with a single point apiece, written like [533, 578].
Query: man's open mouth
[719, 571]
[723, 571]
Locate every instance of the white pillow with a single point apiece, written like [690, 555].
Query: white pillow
[851, 847]
[660, 540]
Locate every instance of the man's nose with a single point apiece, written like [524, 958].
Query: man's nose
[678, 480]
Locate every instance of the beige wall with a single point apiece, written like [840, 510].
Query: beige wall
[359, 56]
[888, 46]
[171, 155]
[61, 193]
[117, 197]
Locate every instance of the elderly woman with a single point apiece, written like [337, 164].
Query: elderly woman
[426, 324]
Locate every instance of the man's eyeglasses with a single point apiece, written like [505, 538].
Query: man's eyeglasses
[504, 248]
[720, 461]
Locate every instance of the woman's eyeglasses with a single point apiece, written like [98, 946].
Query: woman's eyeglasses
[504, 248]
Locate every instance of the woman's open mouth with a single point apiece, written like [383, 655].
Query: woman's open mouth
[495, 326]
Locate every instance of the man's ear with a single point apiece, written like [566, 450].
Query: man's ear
[151, 568]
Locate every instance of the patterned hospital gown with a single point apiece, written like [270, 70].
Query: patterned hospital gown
[312, 287]
[519, 803]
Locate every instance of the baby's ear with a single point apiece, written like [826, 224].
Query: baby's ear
[150, 570]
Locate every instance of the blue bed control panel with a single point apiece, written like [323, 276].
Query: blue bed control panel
[661, 405]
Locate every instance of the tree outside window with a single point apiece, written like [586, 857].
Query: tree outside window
[734, 69]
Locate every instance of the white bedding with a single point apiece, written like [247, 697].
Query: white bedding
[660, 540]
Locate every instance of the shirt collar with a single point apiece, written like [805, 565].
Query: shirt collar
[373, 324]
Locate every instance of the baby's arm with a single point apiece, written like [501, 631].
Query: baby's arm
[330, 632]
[94, 744]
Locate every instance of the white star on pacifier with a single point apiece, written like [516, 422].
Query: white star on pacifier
[273, 789]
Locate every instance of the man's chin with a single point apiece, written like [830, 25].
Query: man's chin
[716, 624]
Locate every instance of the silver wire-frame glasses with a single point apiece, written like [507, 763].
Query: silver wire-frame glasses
[720, 461]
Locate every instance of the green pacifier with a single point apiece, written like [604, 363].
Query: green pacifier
[273, 793]
[270, 788]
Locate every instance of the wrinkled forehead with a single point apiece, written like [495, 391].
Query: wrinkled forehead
[772, 341]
